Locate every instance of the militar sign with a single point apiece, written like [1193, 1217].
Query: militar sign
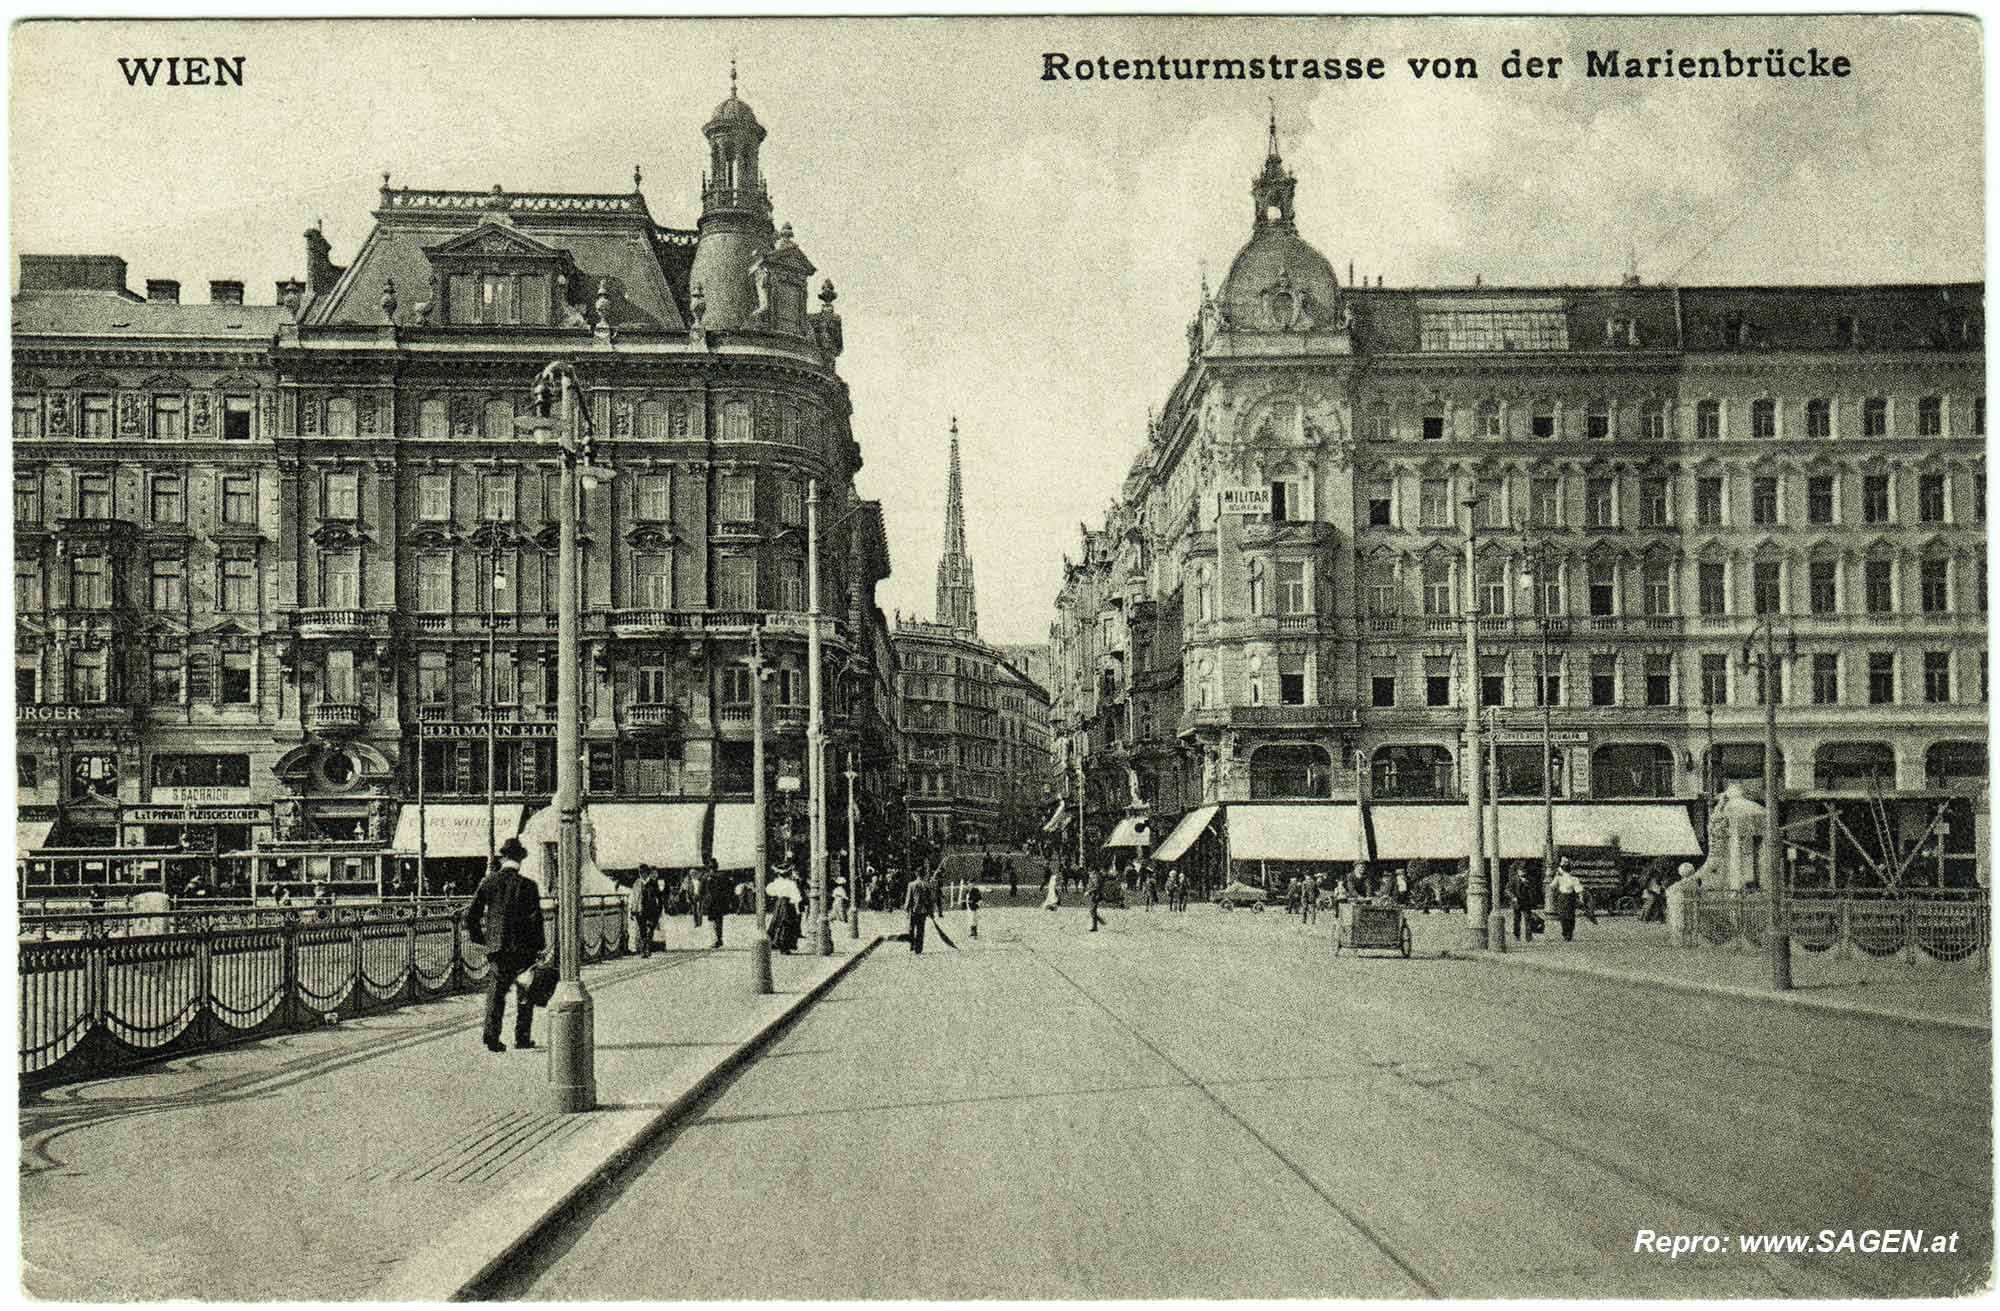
[1244, 500]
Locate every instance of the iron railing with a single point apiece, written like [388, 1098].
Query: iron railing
[1948, 928]
[126, 994]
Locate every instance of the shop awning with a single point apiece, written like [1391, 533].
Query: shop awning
[31, 835]
[662, 834]
[454, 831]
[1299, 832]
[1192, 826]
[734, 842]
[1439, 832]
[1129, 834]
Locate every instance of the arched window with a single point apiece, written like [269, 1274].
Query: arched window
[499, 419]
[1854, 767]
[1291, 770]
[1412, 771]
[1644, 769]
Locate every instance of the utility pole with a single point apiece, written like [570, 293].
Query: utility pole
[816, 732]
[1498, 932]
[1536, 581]
[853, 853]
[1476, 903]
[422, 830]
[1774, 864]
[496, 583]
[760, 945]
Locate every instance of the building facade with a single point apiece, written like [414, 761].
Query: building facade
[399, 623]
[1647, 473]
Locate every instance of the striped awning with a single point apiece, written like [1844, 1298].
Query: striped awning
[1131, 832]
[629, 834]
[454, 831]
[1192, 826]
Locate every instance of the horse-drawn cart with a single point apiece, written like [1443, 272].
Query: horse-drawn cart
[1372, 927]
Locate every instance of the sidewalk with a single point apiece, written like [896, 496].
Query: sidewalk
[391, 1157]
[1957, 996]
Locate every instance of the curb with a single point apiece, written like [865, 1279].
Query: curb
[455, 1267]
[1802, 1001]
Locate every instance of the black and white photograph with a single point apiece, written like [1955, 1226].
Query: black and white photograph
[1001, 657]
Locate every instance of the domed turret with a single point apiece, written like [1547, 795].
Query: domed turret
[735, 224]
[1278, 282]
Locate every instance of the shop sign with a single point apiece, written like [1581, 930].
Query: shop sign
[1559, 738]
[479, 728]
[788, 782]
[1596, 867]
[213, 796]
[28, 713]
[195, 815]
[1243, 500]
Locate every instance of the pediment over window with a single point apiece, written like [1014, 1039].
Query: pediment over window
[338, 535]
[496, 275]
[432, 538]
[226, 628]
[652, 537]
[493, 241]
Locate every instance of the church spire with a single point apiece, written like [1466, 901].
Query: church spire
[1271, 190]
[956, 605]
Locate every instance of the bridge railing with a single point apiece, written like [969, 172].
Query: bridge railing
[1946, 926]
[117, 993]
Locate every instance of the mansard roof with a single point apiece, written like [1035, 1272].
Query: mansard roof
[110, 314]
[611, 240]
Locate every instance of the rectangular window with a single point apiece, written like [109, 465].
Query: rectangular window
[739, 498]
[1819, 419]
[496, 497]
[1597, 425]
[737, 583]
[735, 685]
[169, 414]
[791, 502]
[434, 583]
[1491, 514]
[1600, 503]
[1437, 680]
[792, 583]
[654, 579]
[1435, 505]
[1765, 597]
[1550, 693]
[1604, 680]
[1874, 417]
[1819, 499]
[167, 586]
[27, 498]
[27, 417]
[1659, 680]
[1381, 501]
[1603, 588]
[1494, 330]
[1763, 684]
[1542, 422]
[1764, 501]
[655, 498]
[239, 585]
[434, 497]
[1653, 511]
[27, 586]
[340, 417]
[239, 500]
[433, 678]
[1711, 591]
[1825, 678]
[1881, 678]
[96, 417]
[1708, 502]
[1930, 417]
[1708, 421]
[1715, 680]
[236, 678]
[166, 684]
[1936, 597]
[1659, 588]
[239, 418]
[87, 683]
[1878, 586]
[1382, 683]
[1433, 427]
[652, 685]
[1763, 419]
[1292, 599]
[1930, 498]
[1547, 494]
[93, 496]
[168, 502]
[90, 582]
[1875, 498]
[1937, 677]
[433, 421]
[1822, 586]
[343, 496]
[1437, 588]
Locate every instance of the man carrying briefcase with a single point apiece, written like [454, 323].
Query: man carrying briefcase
[505, 917]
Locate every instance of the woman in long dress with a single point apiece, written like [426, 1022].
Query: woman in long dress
[1053, 898]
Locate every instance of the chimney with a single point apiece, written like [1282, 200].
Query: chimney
[163, 291]
[73, 273]
[225, 292]
[321, 271]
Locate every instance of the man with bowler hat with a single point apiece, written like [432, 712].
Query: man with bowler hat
[505, 917]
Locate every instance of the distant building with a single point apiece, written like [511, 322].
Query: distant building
[1650, 471]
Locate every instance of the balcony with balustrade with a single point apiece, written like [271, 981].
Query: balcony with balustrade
[335, 716]
[341, 621]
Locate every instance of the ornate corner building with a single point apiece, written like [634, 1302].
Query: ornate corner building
[975, 725]
[280, 567]
[1648, 472]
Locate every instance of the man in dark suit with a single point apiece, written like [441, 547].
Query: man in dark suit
[919, 902]
[505, 917]
[715, 896]
[648, 904]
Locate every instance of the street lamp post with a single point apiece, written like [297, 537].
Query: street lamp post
[816, 731]
[853, 855]
[1536, 581]
[572, 1082]
[1774, 783]
[1477, 929]
[760, 944]
[498, 585]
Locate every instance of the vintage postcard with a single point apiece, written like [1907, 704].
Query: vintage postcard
[1001, 658]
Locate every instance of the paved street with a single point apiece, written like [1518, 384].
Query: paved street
[1209, 1105]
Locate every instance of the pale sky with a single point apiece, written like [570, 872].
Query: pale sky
[1026, 254]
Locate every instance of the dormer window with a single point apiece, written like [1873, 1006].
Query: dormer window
[499, 298]
[497, 276]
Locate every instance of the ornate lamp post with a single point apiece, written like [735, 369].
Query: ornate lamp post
[1535, 581]
[1767, 663]
[1477, 930]
[498, 585]
[572, 1044]
[760, 945]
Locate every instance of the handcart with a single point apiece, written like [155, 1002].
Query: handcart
[1372, 927]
